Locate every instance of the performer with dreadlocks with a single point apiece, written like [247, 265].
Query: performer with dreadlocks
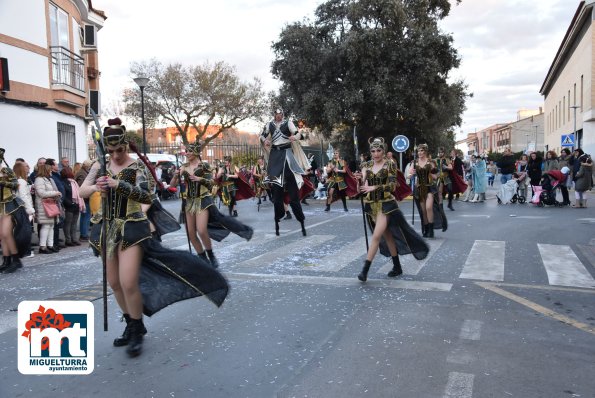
[166, 276]
[338, 179]
[259, 172]
[286, 165]
[233, 185]
[202, 217]
[13, 220]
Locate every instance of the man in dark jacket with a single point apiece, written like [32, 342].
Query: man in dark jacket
[506, 166]
[60, 185]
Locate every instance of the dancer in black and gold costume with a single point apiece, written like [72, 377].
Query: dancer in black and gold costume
[390, 231]
[425, 194]
[444, 183]
[259, 173]
[16, 238]
[336, 171]
[202, 217]
[144, 276]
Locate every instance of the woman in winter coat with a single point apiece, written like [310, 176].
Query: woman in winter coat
[584, 181]
[73, 205]
[45, 188]
[534, 169]
[21, 170]
[551, 162]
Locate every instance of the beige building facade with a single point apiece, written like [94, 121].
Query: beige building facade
[49, 76]
[568, 85]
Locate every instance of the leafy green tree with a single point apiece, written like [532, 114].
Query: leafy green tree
[195, 96]
[380, 65]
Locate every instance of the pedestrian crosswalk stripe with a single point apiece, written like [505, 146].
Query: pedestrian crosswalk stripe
[294, 247]
[347, 282]
[341, 258]
[485, 261]
[563, 267]
[410, 265]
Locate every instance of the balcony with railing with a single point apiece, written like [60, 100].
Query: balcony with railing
[68, 69]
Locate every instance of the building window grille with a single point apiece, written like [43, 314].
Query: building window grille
[67, 141]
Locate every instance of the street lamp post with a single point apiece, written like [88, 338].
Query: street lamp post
[536, 126]
[575, 137]
[142, 82]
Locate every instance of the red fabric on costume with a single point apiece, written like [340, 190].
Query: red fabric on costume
[458, 184]
[402, 190]
[305, 190]
[244, 191]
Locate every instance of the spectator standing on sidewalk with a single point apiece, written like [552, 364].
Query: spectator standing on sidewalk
[45, 188]
[85, 217]
[506, 165]
[534, 170]
[55, 175]
[492, 171]
[583, 180]
[551, 162]
[73, 205]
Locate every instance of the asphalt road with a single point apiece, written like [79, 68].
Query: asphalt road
[504, 306]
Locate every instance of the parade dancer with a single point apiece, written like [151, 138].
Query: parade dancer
[144, 276]
[443, 182]
[259, 174]
[337, 172]
[390, 231]
[425, 193]
[16, 238]
[286, 165]
[202, 217]
[233, 186]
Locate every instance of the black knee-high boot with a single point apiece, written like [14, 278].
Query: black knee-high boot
[397, 270]
[430, 230]
[424, 230]
[328, 206]
[276, 227]
[9, 266]
[135, 342]
[363, 276]
[450, 203]
[344, 203]
[213, 259]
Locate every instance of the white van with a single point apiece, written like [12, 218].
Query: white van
[163, 159]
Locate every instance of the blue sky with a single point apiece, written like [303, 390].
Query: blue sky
[506, 46]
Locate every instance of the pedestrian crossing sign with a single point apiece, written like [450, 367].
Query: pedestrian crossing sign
[568, 140]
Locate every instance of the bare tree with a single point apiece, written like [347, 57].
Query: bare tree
[195, 96]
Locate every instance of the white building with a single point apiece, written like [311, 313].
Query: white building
[568, 86]
[48, 77]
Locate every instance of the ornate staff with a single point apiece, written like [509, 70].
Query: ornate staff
[100, 150]
[413, 182]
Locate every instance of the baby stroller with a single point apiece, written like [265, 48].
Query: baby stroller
[513, 191]
[545, 195]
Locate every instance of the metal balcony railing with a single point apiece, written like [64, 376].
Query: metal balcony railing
[67, 68]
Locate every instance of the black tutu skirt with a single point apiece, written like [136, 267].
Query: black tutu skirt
[168, 276]
[407, 240]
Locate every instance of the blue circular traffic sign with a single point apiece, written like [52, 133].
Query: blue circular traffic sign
[400, 143]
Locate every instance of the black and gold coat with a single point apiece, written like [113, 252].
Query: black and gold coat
[198, 193]
[382, 200]
[336, 179]
[127, 224]
[13, 206]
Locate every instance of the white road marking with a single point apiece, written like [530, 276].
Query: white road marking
[460, 385]
[341, 258]
[267, 258]
[8, 321]
[563, 266]
[485, 261]
[410, 265]
[348, 282]
[475, 215]
[471, 330]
